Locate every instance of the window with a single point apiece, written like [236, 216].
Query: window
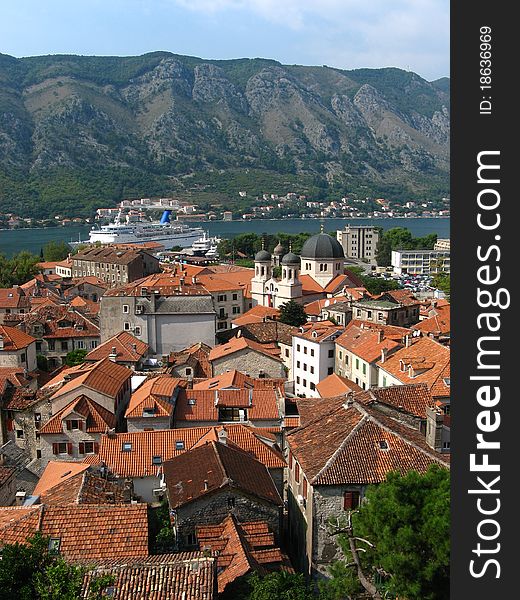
[74, 424]
[126, 308]
[297, 473]
[287, 353]
[93, 344]
[312, 351]
[235, 296]
[383, 445]
[305, 349]
[127, 447]
[80, 344]
[331, 353]
[222, 298]
[19, 433]
[312, 386]
[62, 448]
[350, 500]
[88, 447]
[330, 370]
[64, 345]
[445, 445]
[357, 363]
[298, 347]
[231, 502]
[304, 383]
[137, 330]
[179, 445]
[305, 488]
[222, 325]
[235, 310]
[311, 369]
[232, 414]
[298, 380]
[304, 367]
[54, 546]
[290, 460]
[364, 368]
[340, 354]
[50, 345]
[156, 460]
[298, 363]
[191, 539]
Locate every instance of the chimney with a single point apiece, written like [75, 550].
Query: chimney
[349, 401]
[380, 336]
[384, 352]
[113, 354]
[206, 485]
[134, 347]
[251, 397]
[407, 341]
[223, 436]
[20, 498]
[434, 421]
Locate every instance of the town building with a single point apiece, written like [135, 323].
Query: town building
[123, 349]
[13, 301]
[151, 406]
[442, 244]
[313, 356]
[342, 446]
[17, 349]
[359, 241]
[420, 262]
[113, 266]
[214, 480]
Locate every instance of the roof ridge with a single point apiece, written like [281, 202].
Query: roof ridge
[338, 450]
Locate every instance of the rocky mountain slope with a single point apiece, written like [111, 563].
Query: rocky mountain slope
[78, 131]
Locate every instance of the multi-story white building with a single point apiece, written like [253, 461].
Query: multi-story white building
[421, 262]
[359, 241]
[313, 356]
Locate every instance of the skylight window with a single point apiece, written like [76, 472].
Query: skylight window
[127, 447]
[447, 381]
[383, 444]
[191, 401]
[156, 460]
[179, 445]
[54, 546]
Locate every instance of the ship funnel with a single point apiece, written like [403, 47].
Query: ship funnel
[166, 216]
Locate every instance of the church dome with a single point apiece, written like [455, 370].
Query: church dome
[322, 246]
[290, 259]
[278, 250]
[262, 256]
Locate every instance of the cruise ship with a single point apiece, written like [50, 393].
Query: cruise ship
[127, 232]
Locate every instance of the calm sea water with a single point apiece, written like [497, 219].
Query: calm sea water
[34, 239]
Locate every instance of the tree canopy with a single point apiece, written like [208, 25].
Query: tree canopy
[56, 251]
[406, 521]
[292, 313]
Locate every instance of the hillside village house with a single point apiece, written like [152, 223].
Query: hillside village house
[17, 349]
[123, 349]
[328, 474]
[13, 301]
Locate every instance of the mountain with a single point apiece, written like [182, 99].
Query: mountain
[77, 132]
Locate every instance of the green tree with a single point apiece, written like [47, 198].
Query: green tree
[42, 363]
[55, 251]
[292, 313]
[280, 585]
[75, 357]
[441, 281]
[18, 269]
[404, 526]
[59, 581]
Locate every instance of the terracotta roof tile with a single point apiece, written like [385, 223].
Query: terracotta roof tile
[241, 343]
[85, 531]
[166, 578]
[208, 468]
[438, 323]
[56, 472]
[358, 444]
[97, 419]
[412, 398]
[144, 445]
[257, 314]
[128, 348]
[153, 395]
[14, 339]
[334, 385]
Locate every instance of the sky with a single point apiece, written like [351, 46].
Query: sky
[347, 34]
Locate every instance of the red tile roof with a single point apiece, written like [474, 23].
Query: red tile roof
[103, 376]
[334, 385]
[257, 314]
[437, 323]
[359, 445]
[319, 331]
[138, 461]
[97, 418]
[85, 531]
[213, 466]
[204, 405]
[13, 298]
[314, 308]
[56, 472]
[162, 577]
[240, 548]
[241, 343]
[128, 349]
[14, 339]
[412, 398]
[424, 361]
[154, 394]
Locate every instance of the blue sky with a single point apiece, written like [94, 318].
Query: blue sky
[410, 34]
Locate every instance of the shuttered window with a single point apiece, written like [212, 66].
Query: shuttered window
[350, 500]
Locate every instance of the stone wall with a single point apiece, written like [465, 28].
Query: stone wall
[213, 508]
[251, 362]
